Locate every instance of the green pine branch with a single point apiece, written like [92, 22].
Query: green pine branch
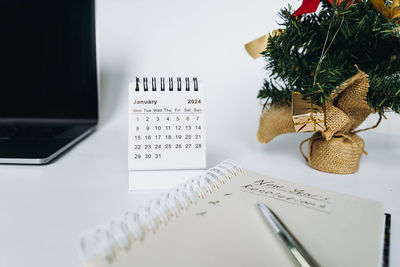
[364, 37]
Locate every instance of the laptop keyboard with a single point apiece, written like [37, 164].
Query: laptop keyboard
[30, 132]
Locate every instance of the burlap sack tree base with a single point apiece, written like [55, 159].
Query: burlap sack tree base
[337, 149]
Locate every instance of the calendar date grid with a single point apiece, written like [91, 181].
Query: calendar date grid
[158, 134]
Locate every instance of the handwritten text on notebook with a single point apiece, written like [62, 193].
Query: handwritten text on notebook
[289, 194]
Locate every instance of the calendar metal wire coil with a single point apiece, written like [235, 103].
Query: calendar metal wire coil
[121, 233]
[174, 84]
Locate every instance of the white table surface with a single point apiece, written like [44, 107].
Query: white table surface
[43, 209]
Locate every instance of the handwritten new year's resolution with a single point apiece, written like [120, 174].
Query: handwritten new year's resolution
[292, 195]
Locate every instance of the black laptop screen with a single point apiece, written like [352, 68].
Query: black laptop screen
[47, 59]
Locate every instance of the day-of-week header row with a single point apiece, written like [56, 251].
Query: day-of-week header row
[168, 110]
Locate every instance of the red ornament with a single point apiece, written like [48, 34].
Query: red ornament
[310, 6]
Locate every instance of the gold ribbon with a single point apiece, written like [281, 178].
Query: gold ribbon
[311, 119]
[390, 13]
[304, 107]
[254, 48]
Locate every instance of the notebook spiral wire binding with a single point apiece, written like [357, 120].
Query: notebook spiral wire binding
[119, 234]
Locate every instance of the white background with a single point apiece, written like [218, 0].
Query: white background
[43, 209]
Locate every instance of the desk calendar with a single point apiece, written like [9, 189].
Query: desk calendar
[166, 124]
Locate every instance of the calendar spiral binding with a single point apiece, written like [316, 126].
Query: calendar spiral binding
[121, 233]
[173, 84]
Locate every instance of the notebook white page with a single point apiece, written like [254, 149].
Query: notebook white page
[226, 228]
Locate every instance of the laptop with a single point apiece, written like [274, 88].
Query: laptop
[48, 78]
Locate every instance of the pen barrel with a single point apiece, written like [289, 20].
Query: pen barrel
[302, 257]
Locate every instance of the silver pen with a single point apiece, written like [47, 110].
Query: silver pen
[302, 257]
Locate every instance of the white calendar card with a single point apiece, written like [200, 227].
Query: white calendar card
[166, 124]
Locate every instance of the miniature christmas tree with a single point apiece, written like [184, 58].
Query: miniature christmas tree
[345, 59]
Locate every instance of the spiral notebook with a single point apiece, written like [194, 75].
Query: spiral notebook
[212, 220]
